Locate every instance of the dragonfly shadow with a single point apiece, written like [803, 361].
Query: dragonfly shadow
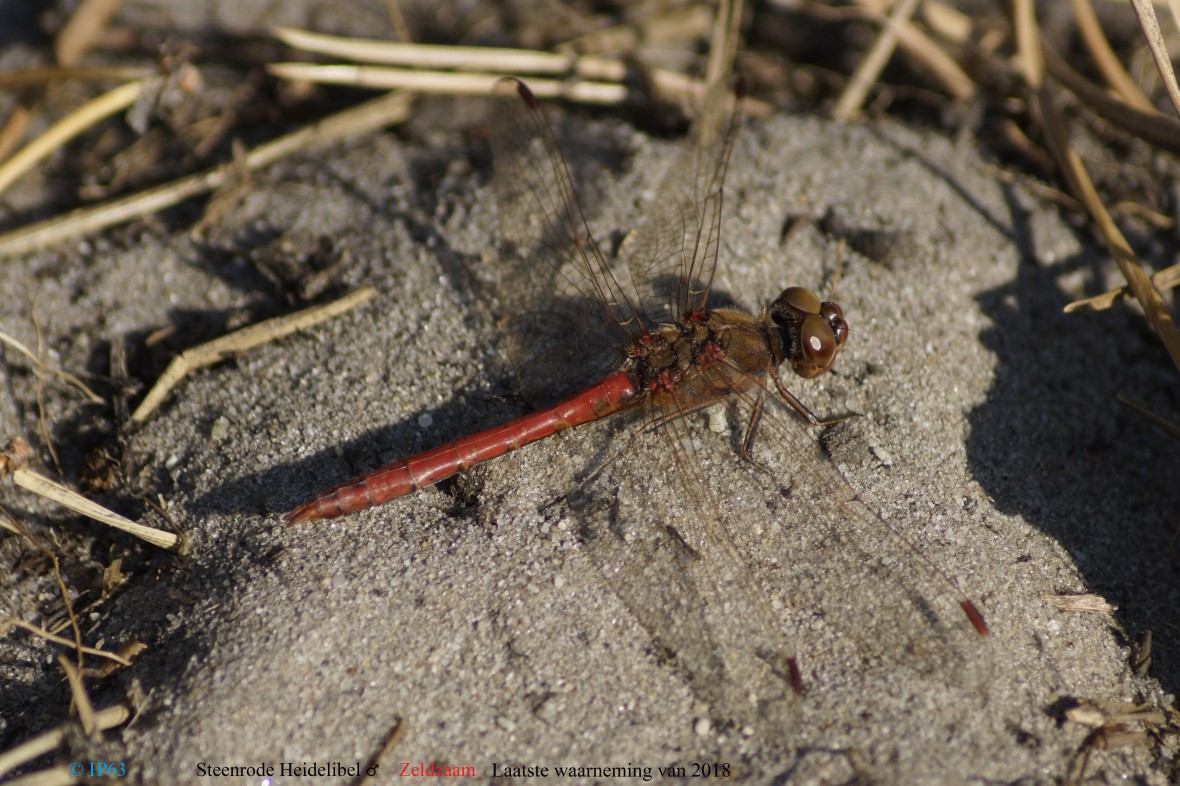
[1052, 444]
[281, 487]
[668, 289]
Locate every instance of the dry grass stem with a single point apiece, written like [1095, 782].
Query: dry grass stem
[1163, 424]
[398, 21]
[1070, 164]
[1105, 59]
[1028, 47]
[67, 498]
[16, 454]
[1155, 218]
[67, 128]
[36, 631]
[949, 23]
[685, 25]
[41, 367]
[14, 128]
[84, 26]
[865, 75]
[69, 607]
[723, 44]
[73, 41]
[1081, 604]
[54, 776]
[913, 41]
[9, 525]
[391, 740]
[240, 341]
[40, 77]
[358, 120]
[1137, 280]
[78, 693]
[497, 62]
[1164, 279]
[685, 88]
[47, 742]
[1100, 713]
[445, 82]
[1159, 49]
[1152, 127]
[463, 58]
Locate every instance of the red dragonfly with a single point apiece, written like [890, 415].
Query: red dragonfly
[678, 357]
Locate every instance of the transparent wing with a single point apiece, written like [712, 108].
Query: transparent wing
[666, 553]
[565, 317]
[667, 524]
[541, 213]
[672, 255]
[850, 568]
[662, 566]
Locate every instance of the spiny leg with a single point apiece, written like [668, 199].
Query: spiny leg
[802, 409]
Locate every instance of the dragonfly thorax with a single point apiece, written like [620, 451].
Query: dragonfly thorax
[702, 356]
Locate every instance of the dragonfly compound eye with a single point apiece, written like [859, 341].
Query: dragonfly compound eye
[800, 301]
[818, 347]
[835, 318]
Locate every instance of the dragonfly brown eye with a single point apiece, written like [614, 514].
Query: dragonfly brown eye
[812, 332]
[834, 315]
[802, 300]
[818, 344]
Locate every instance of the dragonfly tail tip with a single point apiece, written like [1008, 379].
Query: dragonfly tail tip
[974, 616]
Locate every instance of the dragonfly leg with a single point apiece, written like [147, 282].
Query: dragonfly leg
[802, 410]
[746, 447]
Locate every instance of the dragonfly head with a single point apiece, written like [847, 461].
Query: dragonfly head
[810, 333]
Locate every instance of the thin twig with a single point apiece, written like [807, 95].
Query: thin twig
[31, 628]
[1159, 49]
[464, 58]
[48, 741]
[67, 128]
[391, 740]
[84, 26]
[1164, 279]
[78, 693]
[73, 41]
[42, 367]
[921, 47]
[383, 111]
[445, 82]
[1070, 164]
[874, 61]
[1104, 57]
[69, 606]
[240, 341]
[13, 458]
[1152, 127]
[67, 498]
[40, 77]
[1162, 423]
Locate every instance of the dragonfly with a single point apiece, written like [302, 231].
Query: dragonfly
[675, 355]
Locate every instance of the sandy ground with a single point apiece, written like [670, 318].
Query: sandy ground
[484, 625]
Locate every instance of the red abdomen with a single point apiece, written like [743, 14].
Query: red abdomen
[608, 396]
